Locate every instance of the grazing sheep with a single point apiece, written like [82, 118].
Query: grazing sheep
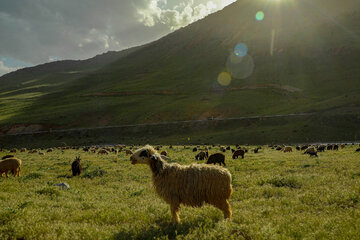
[201, 155]
[49, 150]
[164, 153]
[228, 148]
[23, 150]
[298, 148]
[304, 147]
[310, 149]
[256, 150]
[216, 158]
[335, 147]
[128, 152]
[329, 147]
[103, 152]
[287, 149]
[279, 148]
[195, 149]
[7, 156]
[312, 154]
[342, 146]
[13, 150]
[191, 185]
[223, 149]
[321, 148]
[76, 167]
[238, 153]
[358, 150]
[10, 165]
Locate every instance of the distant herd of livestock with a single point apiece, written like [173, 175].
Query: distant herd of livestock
[12, 164]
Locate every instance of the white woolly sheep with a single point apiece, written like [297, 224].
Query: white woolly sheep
[191, 185]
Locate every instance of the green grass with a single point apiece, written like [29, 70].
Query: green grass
[276, 196]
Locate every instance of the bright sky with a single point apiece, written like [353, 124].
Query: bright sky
[37, 31]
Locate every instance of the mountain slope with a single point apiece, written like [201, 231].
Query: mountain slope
[303, 57]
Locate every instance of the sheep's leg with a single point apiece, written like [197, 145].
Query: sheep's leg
[175, 210]
[225, 207]
[18, 172]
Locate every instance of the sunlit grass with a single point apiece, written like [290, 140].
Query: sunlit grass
[276, 196]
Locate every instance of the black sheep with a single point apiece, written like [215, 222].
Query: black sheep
[201, 155]
[7, 156]
[304, 148]
[238, 153]
[216, 158]
[321, 148]
[76, 167]
[313, 154]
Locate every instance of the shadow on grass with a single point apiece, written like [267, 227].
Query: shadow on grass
[163, 228]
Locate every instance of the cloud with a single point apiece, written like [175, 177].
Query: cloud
[4, 69]
[34, 31]
[177, 16]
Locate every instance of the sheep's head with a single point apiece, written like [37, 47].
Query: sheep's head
[143, 155]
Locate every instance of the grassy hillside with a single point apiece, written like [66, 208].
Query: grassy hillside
[312, 66]
[276, 196]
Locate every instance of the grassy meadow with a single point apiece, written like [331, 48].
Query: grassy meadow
[276, 196]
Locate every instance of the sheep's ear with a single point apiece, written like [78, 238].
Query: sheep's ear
[144, 153]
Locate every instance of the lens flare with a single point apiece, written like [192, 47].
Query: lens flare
[260, 16]
[240, 68]
[240, 50]
[224, 79]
